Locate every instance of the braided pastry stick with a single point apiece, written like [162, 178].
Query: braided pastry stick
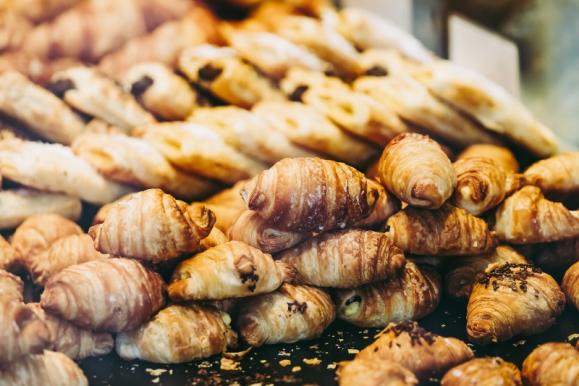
[558, 176]
[11, 286]
[483, 371]
[570, 285]
[552, 364]
[500, 155]
[365, 372]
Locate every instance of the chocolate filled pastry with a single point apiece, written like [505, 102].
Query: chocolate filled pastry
[167, 338]
[558, 176]
[381, 62]
[344, 259]
[310, 194]
[367, 372]
[288, 315]
[570, 285]
[230, 270]
[404, 342]
[213, 239]
[386, 205]
[11, 286]
[412, 295]
[499, 154]
[558, 255]
[105, 295]
[7, 254]
[483, 371]
[552, 364]
[510, 300]
[227, 206]
[152, 225]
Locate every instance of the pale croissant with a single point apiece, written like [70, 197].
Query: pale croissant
[500, 155]
[367, 372]
[483, 371]
[570, 285]
[558, 176]
[552, 364]
[11, 286]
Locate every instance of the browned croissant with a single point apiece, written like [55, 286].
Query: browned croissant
[552, 364]
[446, 231]
[460, 278]
[310, 194]
[570, 285]
[105, 295]
[501, 155]
[366, 372]
[230, 270]
[558, 176]
[178, 334]
[288, 315]
[417, 171]
[75, 342]
[483, 372]
[407, 341]
[11, 286]
[7, 254]
[152, 225]
[510, 300]
[413, 295]
[386, 206]
[558, 255]
[527, 217]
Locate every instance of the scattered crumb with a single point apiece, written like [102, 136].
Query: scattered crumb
[340, 340]
[312, 361]
[443, 325]
[229, 364]
[331, 366]
[256, 384]
[237, 355]
[204, 365]
[295, 369]
[315, 347]
[353, 351]
[340, 333]
[171, 372]
[519, 343]
[573, 336]
[365, 337]
[155, 380]
[284, 353]
[285, 362]
[156, 372]
[263, 361]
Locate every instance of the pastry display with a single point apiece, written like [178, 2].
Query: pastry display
[483, 371]
[552, 364]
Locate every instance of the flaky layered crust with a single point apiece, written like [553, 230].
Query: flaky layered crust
[365, 372]
[500, 155]
[552, 364]
[11, 286]
[386, 205]
[38, 10]
[7, 254]
[570, 285]
[558, 176]
[483, 372]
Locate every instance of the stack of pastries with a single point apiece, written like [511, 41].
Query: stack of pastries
[226, 159]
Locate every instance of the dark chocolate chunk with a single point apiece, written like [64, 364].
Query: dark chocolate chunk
[209, 72]
[60, 87]
[298, 93]
[376, 71]
[139, 87]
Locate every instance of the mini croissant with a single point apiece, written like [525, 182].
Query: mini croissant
[310, 194]
[510, 300]
[447, 231]
[570, 285]
[11, 286]
[105, 295]
[230, 270]
[287, 315]
[558, 255]
[502, 156]
[367, 372]
[413, 295]
[7, 254]
[178, 334]
[152, 225]
[483, 371]
[417, 171]
[527, 217]
[552, 364]
[558, 176]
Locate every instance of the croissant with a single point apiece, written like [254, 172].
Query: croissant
[447, 231]
[152, 225]
[412, 295]
[7, 254]
[483, 371]
[461, 277]
[404, 342]
[213, 239]
[363, 372]
[288, 315]
[168, 337]
[527, 217]
[552, 364]
[227, 206]
[558, 255]
[500, 155]
[386, 206]
[512, 299]
[558, 176]
[230, 270]
[11, 286]
[570, 285]
[73, 341]
[310, 194]
[105, 295]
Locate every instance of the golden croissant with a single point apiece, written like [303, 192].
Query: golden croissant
[510, 300]
[558, 176]
[570, 285]
[527, 217]
[344, 259]
[230, 270]
[11, 286]
[417, 171]
[447, 231]
[386, 205]
[411, 296]
[368, 372]
[213, 239]
[483, 372]
[152, 225]
[558, 255]
[105, 295]
[310, 194]
[499, 154]
[552, 364]
[405, 342]
[178, 334]
[287, 315]
[7, 254]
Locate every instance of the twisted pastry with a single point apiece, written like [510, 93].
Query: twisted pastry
[152, 225]
[512, 299]
[386, 206]
[105, 295]
[558, 255]
[7, 254]
[412, 295]
[363, 372]
[11, 286]
[570, 285]
[558, 176]
[527, 217]
[500, 155]
[310, 194]
[230, 270]
[447, 231]
[552, 364]
[417, 171]
[167, 338]
[287, 315]
[483, 372]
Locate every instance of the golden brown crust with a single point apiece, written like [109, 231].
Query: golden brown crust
[364, 372]
[570, 285]
[510, 300]
[213, 239]
[386, 205]
[483, 372]
[501, 155]
[7, 255]
[417, 171]
[11, 286]
[558, 255]
[552, 364]
[558, 176]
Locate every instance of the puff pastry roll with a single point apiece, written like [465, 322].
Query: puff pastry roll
[288, 315]
[199, 149]
[152, 225]
[105, 295]
[499, 154]
[404, 342]
[41, 111]
[380, 62]
[11, 286]
[417, 171]
[570, 285]
[230, 270]
[510, 300]
[527, 217]
[364, 372]
[483, 371]
[412, 295]
[447, 231]
[7, 254]
[310, 194]
[552, 364]
[344, 259]
[558, 176]
[463, 272]
[490, 104]
[558, 255]
[168, 337]
[73, 341]
[55, 168]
